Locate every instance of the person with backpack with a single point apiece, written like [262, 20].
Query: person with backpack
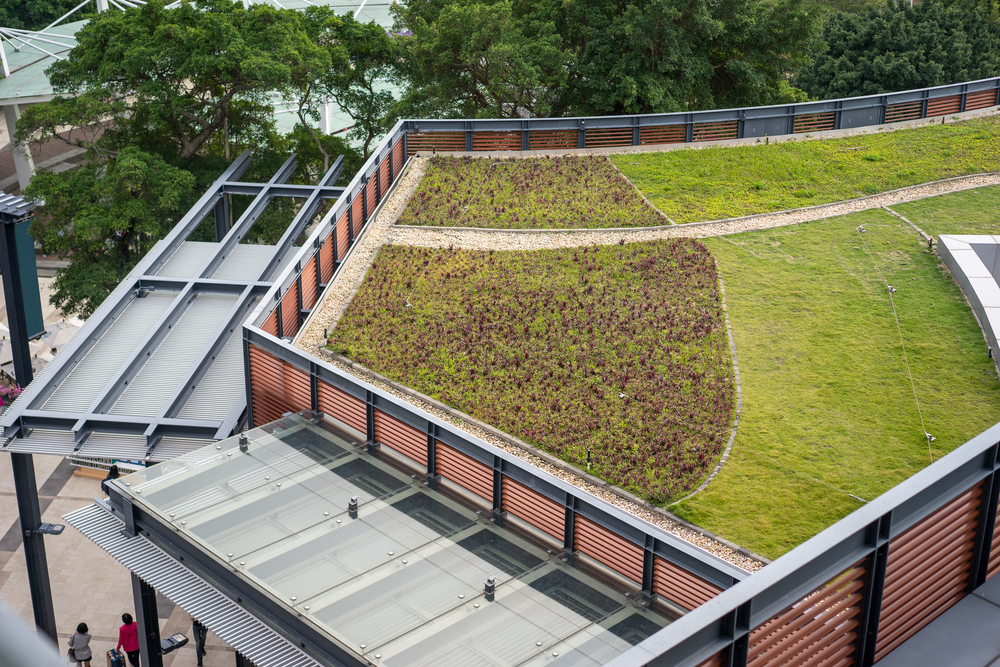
[200, 633]
[79, 646]
[128, 639]
[112, 474]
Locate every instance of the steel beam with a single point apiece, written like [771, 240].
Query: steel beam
[81, 423]
[282, 189]
[247, 220]
[300, 222]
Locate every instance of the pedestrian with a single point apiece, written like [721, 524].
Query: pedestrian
[200, 633]
[128, 639]
[79, 646]
[112, 474]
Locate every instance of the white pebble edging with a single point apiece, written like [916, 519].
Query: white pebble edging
[467, 238]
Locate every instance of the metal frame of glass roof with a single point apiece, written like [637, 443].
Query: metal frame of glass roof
[116, 390]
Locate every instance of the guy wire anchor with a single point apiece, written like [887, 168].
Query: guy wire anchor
[892, 290]
[930, 438]
[861, 228]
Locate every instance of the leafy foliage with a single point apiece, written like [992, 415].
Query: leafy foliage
[894, 46]
[620, 350]
[108, 216]
[597, 57]
[714, 183]
[36, 14]
[549, 193]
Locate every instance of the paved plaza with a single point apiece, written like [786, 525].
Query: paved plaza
[87, 584]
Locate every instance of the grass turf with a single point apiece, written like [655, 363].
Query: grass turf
[620, 349]
[828, 406]
[969, 212]
[542, 193]
[714, 183]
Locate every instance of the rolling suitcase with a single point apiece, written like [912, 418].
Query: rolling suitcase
[115, 659]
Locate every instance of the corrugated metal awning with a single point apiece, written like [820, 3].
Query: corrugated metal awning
[236, 626]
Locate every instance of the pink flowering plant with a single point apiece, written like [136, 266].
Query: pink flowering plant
[569, 192]
[620, 350]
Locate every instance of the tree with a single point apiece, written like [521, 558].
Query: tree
[36, 14]
[108, 216]
[899, 47]
[469, 60]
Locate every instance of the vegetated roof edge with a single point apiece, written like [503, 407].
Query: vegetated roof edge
[534, 451]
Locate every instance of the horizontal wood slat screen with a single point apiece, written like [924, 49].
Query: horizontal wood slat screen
[383, 175]
[309, 292]
[271, 323]
[895, 113]
[608, 548]
[714, 661]
[928, 570]
[529, 505]
[326, 258]
[550, 139]
[290, 311]
[372, 195]
[464, 470]
[821, 630]
[397, 157]
[613, 136]
[402, 437]
[814, 122]
[276, 387]
[429, 141]
[980, 100]
[941, 106]
[994, 564]
[340, 405]
[663, 134]
[680, 586]
[343, 238]
[357, 219]
[723, 129]
[496, 141]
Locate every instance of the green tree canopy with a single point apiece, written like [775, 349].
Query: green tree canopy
[36, 14]
[898, 47]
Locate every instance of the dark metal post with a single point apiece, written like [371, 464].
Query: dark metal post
[144, 598]
[281, 322]
[246, 379]
[350, 218]
[923, 103]
[689, 129]
[468, 137]
[581, 135]
[497, 485]
[878, 537]
[569, 527]
[364, 203]
[648, 559]
[964, 98]
[741, 123]
[313, 388]
[987, 521]
[431, 452]
[369, 416]
[22, 465]
[221, 213]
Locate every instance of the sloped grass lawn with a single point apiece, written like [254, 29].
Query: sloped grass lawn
[825, 389]
[535, 193]
[725, 182]
[621, 350]
[969, 212]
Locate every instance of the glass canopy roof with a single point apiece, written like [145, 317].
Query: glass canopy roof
[401, 580]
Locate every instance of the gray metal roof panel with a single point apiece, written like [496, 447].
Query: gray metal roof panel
[159, 376]
[43, 441]
[113, 445]
[229, 621]
[86, 382]
[221, 385]
[244, 262]
[170, 447]
[187, 259]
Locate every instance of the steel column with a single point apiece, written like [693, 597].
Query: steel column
[144, 598]
[987, 521]
[221, 213]
[878, 538]
[34, 546]
[569, 525]
[23, 163]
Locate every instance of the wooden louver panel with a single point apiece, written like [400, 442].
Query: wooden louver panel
[465, 471]
[290, 310]
[680, 586]
[663, 134]
[357, 213]
[980, 99]
[714, 661]
[276, 387]
[895, 113]
[271, 323]
[309, 292]
[550, 139]
[941, 106]
[928, 570]
[529, 505]
[343, 238]
[612, 136]
[434, 141]
[994, 564]
[326, 258]
[723, 129]
[383, 174]
[370, 193]
[820, 630]
[496, 141]
[814, 122]
[400, 436]
[340, 405]
[397, 158]
[607, 548]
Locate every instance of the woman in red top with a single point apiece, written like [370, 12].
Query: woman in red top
[128, 639]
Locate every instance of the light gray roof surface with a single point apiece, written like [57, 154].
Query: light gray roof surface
[187, 259]
[213, 398]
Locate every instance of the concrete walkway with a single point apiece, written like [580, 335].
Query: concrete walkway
[87, 584]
